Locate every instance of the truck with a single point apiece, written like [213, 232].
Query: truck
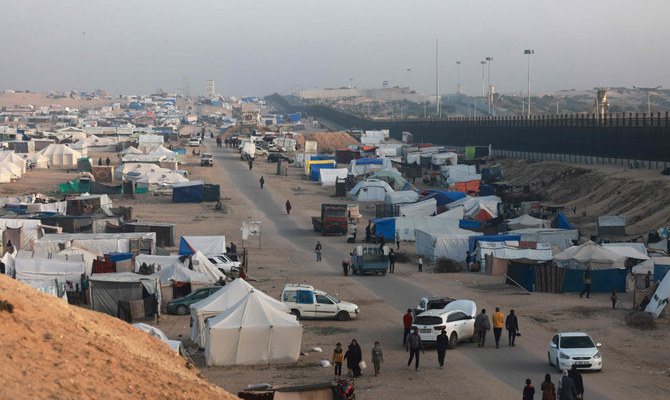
[333, 220]
[248, 149]
[369, 260]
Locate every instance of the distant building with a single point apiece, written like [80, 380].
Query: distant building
[209, 89]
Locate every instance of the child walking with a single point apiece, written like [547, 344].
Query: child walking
[338, 359]
[377, 357]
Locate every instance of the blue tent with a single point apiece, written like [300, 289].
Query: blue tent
[315, 168]
[279, 120]
[294, 117]
[603, 280]
[561, 222]
[385, 226]
[321, 157]
[135, 106]
[469, 224]
[188, 192]
[523, 274]
[660, 271]
[491, 238]
[364, 161]
[442, 196]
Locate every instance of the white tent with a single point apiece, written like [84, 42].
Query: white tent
[562, 238]
[328, 177]
[154, 180]
[370, 190]
[452, 174]
[88, 255]
[14, 170]
[444, 158]
[219, 302]
[434, 245]
[512, 251]
[39, 160]
[447, 222]
[424, 208]
[178, 273]
[649, 264]
[146, 143]
[31, 229]
[591, 255]
[30, 270]
[208, 245]
[402, 197]
[196, 263]
[140, 168]
[13, 158]
[160, 150]
[130, 150]
[526, 221]
[157, 333]
[60, 155]
[252, 332]
[6, 175]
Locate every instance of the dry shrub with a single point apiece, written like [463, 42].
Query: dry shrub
[640, 320]
[443, 265]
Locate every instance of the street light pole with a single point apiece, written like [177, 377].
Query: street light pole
[490, 100]
[483, 63]
[409, 76]
[648, 90]
[529, 52]
[459, 87]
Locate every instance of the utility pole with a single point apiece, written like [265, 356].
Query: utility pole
[648, 90]
[490, 100]
[437, 79]
[483, 91]
[529, 52]
[459, 85]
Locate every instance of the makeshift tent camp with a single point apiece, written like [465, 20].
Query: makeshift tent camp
[130, 150]
[15, 171]
[444, 197]
[252, 332]
[462, 178]
[310, 163]
[59, 155]
[140, 242]
[20, 231]
[526, 221]
[448, 158]
[149, 142]
[219, 302]
[208, 245]
[607, 268]
[157, 333]
[391, 176]
[434, 245]
[88, 255]
[370, 190]
[495, 256]
[188, 192]
[364, 166]
[41, 273]
[138, 169]
[153, 181]
[474, 240]
[404, 197]
[424, 208]
[197, 262]
[316, 170]
[109, 290]
[328, 177]
[178, 281]
[94, 143]
[562, 238]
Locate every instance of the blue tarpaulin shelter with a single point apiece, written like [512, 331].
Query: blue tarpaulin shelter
[660, 271]
[188, 192]
[114, 257]
[602, 280]
[442, 196]
[469, 224]
[491, 238]
[364, 161]
[385, 226]
[294, 117]
[315, 168]
[561, 222]
[135, 106]
[321, 157]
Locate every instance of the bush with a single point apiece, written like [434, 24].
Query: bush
[444, 265]
[402, 258]
[640, 320]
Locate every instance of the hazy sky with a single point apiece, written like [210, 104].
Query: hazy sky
[259, 47]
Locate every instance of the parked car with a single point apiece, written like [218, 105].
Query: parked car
[432, 303]
[574, 348]
[275, 157]
[261, 152]
[194, 142]
[457, 318]
[181, 306]
[224, 263]
[206, 160]
[307, 302]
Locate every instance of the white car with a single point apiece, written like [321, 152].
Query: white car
[457, 318]
[194, 142]
[574, 348]
[223, 263]
[307, 302]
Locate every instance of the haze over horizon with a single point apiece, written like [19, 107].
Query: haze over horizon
[261, 47]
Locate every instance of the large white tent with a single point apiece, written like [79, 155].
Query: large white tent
[155, 180]
[160, 150]
[252, 332]
[526, 221]
[434, 245]
[140, 168]
[130, 150]
[591, 255]
[219, 302]
[60, 155]
[177, 273]
[370, 190]
[15, 171]
[37, 159]
[13, 158]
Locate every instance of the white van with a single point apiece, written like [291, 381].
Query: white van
[307, 302]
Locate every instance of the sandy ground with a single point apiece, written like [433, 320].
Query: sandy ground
[636, 362]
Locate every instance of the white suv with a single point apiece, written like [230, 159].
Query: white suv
[306, 302]
[457, 318]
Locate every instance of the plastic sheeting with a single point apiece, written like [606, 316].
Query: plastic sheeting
[434, 245]
[591, 255]
[452, 174]
[157, 333]
[556, 237]
[370, 190]
[328, 177]
[177, 273]
[108, 289]
[208, 245]
[526, 221]
[363, 166]
[219, 302]
[424, 208]
[188, 192]
[402, 197]
[512, 251]
[38, 269]
[252, 332]
[31, 229]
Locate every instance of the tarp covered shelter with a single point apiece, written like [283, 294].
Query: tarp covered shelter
[444, 197]
[474, 240]
[608, 226]
[434, 245]
[328, 177]
[138, 170]
[607, 268]
[107, 290]
[20, 231]
[317, 168]
[423, 208]
[363, 166]
[139, 242]
[370, 190]
[391, 176]
[188, 192]
[130, 150]
[59, 155]
[561, 222]
[660, 298]
[34, 270]
[403, 197]
[252, 332]
[208, 245]
[562, 238]
[526, 221]
[219, 302]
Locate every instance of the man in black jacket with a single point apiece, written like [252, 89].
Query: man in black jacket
[512, 326]
[442, 343]
[577, 379]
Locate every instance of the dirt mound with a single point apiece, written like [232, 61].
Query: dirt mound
[327, 142]
[53, 350]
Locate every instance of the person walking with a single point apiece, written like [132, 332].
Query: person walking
[566, 388]
[354, 356]
[251, 164]
[377, 357]
[407, 320]
[354, 230]
[397, 240]
[318, 249]
[587, 283]
[481, 326]
[391, 261]
[414, 346]
[262, 182]
[512, 326]
[338, 359]
[576, 377]
[442, 344]
[346, 264]
[528, 391]
[614, 298]
[420, 264]
[288, 207]
[498, 320]
[368, 232]
[548, 388]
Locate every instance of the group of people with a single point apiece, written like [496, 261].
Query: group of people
[354, 358]
[411, 340]
[228, 142]
[570, 387]
[482, 325]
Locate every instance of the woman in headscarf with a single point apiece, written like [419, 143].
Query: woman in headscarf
[288, 207]
[354, 356]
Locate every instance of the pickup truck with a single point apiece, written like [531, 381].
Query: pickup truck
[369, 260]
[333, 220]
[206, 160]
